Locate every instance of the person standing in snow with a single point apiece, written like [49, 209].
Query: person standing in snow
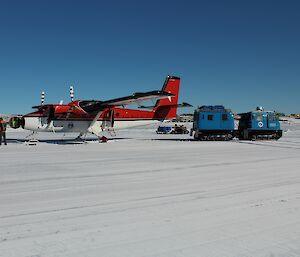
[2, 131]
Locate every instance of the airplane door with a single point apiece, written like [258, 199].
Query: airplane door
[109, 120]
[112, 118]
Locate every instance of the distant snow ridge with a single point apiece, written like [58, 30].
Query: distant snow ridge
[4, 116]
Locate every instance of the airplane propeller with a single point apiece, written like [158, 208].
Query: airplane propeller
[50, 114]
[42, 98]
[72, 93]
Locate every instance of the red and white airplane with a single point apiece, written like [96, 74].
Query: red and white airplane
[95, 116]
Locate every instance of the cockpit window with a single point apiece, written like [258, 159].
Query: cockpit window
[90, 106]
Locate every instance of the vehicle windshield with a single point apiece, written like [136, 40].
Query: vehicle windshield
[258, 117]
[272, 117]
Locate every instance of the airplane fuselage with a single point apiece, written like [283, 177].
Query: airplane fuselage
[67, 118]
[40, 124]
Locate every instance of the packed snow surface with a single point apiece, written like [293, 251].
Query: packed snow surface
[143, 195]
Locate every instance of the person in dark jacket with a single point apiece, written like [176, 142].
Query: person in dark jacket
[2, 131]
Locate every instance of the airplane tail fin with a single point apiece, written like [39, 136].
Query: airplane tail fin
[167, 108]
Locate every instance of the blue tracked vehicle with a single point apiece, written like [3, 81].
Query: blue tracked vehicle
[259, 124]
[213, 123]
[164, 130]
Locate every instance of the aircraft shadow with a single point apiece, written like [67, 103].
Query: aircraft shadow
[60, 141]
[170, 139]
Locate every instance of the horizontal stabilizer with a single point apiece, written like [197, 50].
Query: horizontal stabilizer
[184, 104]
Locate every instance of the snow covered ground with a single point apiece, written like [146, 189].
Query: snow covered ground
[150, 195]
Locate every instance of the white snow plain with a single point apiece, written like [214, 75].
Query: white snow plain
[148, 195]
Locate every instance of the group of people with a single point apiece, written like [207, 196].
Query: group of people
[2, 131]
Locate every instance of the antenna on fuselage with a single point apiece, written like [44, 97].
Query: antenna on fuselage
[42, 98]
[72, 93]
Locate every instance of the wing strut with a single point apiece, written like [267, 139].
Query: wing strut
[92, 128]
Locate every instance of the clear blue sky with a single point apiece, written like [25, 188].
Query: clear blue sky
[238, 53]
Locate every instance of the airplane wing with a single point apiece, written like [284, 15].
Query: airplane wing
[93, 106]
[42, 107]
[182, 105]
